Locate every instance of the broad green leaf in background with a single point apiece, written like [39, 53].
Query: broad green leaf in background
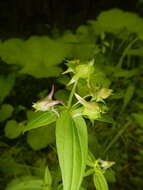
[11, 50]
[99, 180]
[116, 21]
[41, 137]
[13, 129]
[43, 119]
[6, 84]
[36, 56]
[5, 112]
[25, 183]
[71, 140]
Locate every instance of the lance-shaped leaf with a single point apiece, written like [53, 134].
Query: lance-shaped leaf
[99, 180]
[47, 180]
[43, 119]
[71, 140]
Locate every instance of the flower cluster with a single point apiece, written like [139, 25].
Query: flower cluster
[96, 106]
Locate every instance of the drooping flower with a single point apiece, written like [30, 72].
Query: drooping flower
[91, 109]
[106, 164]
[47, 103]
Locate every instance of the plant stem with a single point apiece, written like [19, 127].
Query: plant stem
[119, 65]
[71, 94]
[117, 137]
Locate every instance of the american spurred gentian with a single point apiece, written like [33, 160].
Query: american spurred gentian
[47, 103]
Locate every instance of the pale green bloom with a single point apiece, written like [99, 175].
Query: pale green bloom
[106, 164]
[103, 93]
[91, 109]
[80, 70]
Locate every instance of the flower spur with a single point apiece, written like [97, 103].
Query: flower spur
[47, 103]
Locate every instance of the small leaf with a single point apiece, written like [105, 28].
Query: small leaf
[12, 129]
[99, 180]
[5, 112]
[43, 119]
[128, 95]
[6, 84]
[106, 118]
[47, 179]
[71, 140]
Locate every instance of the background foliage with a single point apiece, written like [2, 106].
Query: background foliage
[29, 67]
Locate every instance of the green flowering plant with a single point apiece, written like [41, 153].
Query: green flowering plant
[71, 128]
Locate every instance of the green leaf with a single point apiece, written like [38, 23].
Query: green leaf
[106, 118]
[99, 180]
[5, 112]
[128, 95]
[25, 183]
[6, 84]
[12, 129]
[43, 119]
[71, 140]
[118, 21]
[36, 56]
[41, 137]
[47, 179]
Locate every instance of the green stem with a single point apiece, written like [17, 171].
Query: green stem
[71, 94]
[117, 136]
[119, 65]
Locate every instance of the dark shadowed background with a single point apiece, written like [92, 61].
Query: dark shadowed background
[27, 17]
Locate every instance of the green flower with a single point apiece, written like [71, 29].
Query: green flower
[91, 109]
[100, 94]
[80, 70]
[106, 164]
[104, 93]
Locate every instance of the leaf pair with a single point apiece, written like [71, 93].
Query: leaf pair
[72, 146]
